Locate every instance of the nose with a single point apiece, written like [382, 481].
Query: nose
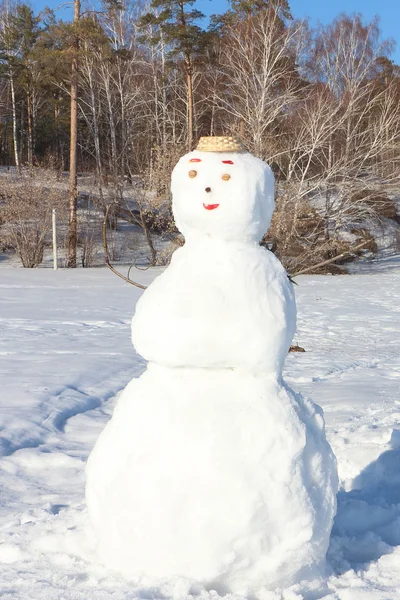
[208, 189]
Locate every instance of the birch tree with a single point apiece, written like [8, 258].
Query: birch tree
[258, 64]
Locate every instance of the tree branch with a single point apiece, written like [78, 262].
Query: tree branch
[106, 255]
[330, 260]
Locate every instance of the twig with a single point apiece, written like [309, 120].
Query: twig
[330, 260]
[63, 4]
[296, 348]
[106, 255]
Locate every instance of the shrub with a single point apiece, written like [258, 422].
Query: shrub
[26, 209]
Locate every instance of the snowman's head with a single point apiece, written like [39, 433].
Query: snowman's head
[226, 195]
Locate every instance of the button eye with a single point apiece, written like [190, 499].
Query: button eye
[192, 174]
[226, 177]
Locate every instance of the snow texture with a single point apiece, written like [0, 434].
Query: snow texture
[218, 305]
[211, 468]
[65, 354]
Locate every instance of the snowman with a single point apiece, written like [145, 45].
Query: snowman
[211, 469]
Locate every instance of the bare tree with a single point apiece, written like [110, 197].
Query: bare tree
[334, 155]
[258, 64]
[73, 172]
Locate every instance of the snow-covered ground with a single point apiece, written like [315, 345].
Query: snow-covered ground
[65, 354]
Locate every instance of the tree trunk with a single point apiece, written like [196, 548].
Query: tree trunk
[73, 179]
[21, 133]
[96, 135]
[114, 154]
[164, 96]
[5, 144]
[14, 120]
[29, 127]
[119, 173]
[57, 148]
[189, 84]
[190, 108]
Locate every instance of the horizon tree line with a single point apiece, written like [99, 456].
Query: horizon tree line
[147, 79]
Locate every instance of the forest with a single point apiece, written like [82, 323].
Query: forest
[96, 111]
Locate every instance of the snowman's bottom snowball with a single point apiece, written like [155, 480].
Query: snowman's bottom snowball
[218, 476]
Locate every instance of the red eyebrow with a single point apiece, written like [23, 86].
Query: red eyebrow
[195, 160]
[227, 162]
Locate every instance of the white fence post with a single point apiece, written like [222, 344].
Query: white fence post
[54, 239]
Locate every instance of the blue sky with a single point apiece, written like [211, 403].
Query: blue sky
[318, 10]
[326, 10]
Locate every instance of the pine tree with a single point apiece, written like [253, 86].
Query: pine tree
[19, 30]
[177, 21]
[246, 10]
[26, 30]
[251, 7]
[52, 59]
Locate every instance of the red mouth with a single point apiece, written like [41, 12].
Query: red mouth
[210, 206]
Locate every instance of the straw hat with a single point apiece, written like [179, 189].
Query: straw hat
[220, 144]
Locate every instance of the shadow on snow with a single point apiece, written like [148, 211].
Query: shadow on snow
[367, 524]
